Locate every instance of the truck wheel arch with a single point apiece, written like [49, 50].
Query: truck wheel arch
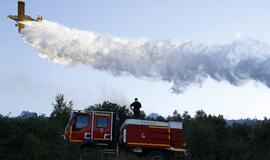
[156, 155]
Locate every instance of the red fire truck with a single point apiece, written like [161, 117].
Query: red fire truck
[99, 135]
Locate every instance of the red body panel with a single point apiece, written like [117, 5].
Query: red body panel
[177, 138]
[145, 136]
[152, 134]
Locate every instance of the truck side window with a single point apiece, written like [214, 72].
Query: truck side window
[82, 121]
[102, 122]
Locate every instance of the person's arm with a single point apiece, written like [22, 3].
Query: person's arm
[131, 106]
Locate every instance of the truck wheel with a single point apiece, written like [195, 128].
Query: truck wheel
[156, 155]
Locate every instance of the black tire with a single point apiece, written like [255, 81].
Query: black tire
[90, 153]
[156, 155]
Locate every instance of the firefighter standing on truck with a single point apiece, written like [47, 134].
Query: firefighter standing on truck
[135, 107]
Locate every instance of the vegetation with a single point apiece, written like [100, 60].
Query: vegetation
[36, 137]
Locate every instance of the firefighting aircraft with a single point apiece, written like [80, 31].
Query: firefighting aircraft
[21, 17]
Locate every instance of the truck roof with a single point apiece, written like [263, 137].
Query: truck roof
[87, 112]
[176, 125]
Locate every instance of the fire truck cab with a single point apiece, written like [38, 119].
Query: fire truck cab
[98, 134]
[93, 126]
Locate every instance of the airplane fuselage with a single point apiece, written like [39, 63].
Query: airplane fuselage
[21, 17]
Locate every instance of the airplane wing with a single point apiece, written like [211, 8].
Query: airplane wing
[21, 10]
[28, 18]
[15, 18]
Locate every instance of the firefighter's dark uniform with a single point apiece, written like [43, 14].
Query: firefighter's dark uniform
[136, 109]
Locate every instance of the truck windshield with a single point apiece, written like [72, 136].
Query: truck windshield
[102, 122]
[81, 121]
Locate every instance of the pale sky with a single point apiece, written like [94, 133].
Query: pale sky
[28, 82]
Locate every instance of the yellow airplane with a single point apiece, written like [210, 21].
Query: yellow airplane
[21, 17]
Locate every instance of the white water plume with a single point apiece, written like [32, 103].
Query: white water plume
[182, 63]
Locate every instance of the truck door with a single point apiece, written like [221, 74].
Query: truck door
[81, 127]
[103, 126]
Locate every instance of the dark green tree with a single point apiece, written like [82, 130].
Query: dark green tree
[205, 136]
[175, 117]
[61, 111]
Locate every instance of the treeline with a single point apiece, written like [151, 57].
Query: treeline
[36, 137]
[208, 137]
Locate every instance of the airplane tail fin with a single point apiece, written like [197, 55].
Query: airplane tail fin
[39, 18]
[21, 10]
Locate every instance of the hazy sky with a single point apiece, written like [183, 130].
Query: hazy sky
[28, 82]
